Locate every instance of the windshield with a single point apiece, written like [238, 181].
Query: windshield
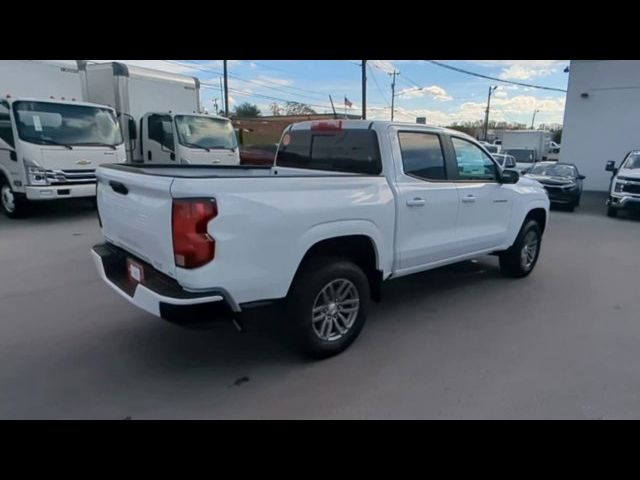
[554, 170]
[205, 132]
[60, 124]
[632, 161]
[522, 156]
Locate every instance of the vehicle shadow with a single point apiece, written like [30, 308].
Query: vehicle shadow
[165, 350]
[45, 212]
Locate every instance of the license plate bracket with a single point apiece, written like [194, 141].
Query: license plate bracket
[135, 271]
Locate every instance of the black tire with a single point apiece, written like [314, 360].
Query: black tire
[511, 261]
[612, 212]
[18, 202]
[307, 290]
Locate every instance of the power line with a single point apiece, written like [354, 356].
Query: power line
[261, 82]
[480, 75]
[378, 86]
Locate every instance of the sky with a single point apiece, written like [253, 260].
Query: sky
[423, 89]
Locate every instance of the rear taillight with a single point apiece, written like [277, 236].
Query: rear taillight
[192, 245]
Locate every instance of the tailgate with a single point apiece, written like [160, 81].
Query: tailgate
[135, 210]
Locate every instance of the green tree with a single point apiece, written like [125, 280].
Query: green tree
[246, 110]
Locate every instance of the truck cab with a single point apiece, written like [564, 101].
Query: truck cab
[50, 148]
[187, 139]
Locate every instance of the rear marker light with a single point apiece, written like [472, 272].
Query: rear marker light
[192, 245]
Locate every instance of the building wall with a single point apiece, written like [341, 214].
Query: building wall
[605, 125]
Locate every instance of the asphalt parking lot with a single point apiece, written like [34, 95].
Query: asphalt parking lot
[457, 342]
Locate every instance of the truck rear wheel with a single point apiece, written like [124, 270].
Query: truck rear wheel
[327, 307]
[13, 204]
[519, 260]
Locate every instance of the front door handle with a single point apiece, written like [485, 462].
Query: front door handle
[416, 202]
[469, 199]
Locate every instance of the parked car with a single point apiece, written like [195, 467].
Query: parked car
[347, 205]
[624, 192]
[507, 162]
[490, 147]
[562, 181]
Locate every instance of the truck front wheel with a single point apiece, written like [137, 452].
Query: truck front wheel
[519, 260]
[13, 204]
[327, 307]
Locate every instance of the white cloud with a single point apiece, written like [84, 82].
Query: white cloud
[514, 109]
[384, 65]
[438, 93]
[523, 69]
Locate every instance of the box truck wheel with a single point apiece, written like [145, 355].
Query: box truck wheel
[327, 306]
[13, 204]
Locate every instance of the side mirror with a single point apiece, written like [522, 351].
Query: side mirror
[509, 177]
[581, 177]
[133, 130]
[611, 166]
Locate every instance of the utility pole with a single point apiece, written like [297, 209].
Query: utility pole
[393, 91]
[221, 93]
[534, 117]
[486, 113]
[226, 91]
[364, 89]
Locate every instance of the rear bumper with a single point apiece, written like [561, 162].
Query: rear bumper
[61, 191]
[159, 294]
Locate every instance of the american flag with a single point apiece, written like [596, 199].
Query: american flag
[347, 102]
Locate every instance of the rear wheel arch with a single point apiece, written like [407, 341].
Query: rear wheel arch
[359, 249]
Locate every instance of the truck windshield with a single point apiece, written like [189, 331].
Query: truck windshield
[205, 132]
[632, 161]
[49, 123]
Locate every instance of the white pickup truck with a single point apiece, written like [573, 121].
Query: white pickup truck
[348, 205]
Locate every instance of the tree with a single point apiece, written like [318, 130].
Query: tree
[275, 109]
[557, 136]
[246, 110]
[296, 108]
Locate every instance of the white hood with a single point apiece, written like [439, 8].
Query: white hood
[633, 173]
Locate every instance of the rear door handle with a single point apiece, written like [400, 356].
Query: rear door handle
[416, 202]
[469, 199]
[119, 187]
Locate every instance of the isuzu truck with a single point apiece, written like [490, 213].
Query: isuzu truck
[50, 140]
[160, 115]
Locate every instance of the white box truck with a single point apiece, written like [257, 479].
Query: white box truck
[50, 141]
[162, 110]
[527, 146]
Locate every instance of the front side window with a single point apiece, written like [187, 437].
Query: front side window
[47, 123]
[344, 150]
[161, 130]
[422, 155]
[473, 162]
[205, 132]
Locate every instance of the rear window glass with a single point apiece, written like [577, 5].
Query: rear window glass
[349, 151]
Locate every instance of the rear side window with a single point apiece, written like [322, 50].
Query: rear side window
[348, 151]
[422, 155]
